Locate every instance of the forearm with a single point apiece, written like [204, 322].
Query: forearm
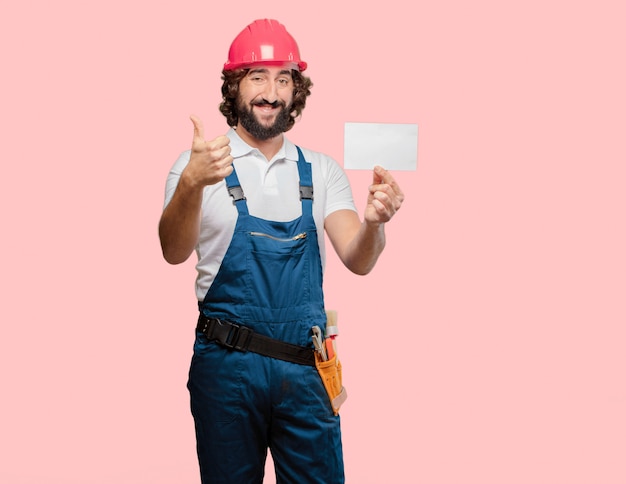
[179, 227]
[363, 251]
[358, 244]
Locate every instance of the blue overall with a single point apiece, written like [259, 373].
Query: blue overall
[243, 403]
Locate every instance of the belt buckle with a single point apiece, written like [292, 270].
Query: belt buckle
[238, 338]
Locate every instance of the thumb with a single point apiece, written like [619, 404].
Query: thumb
[198, 127]
[378, 173]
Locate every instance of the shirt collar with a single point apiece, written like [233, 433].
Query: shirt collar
[239, 147]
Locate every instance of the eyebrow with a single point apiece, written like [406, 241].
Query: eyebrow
[261, 70]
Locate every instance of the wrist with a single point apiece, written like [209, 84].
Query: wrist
[373, 225]
[189, 182]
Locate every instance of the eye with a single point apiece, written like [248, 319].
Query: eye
[283, 82]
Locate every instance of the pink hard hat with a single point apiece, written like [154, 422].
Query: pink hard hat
[264, 41]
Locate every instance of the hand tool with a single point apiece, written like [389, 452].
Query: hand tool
[319, 343]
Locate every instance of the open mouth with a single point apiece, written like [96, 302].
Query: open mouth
[268, 108]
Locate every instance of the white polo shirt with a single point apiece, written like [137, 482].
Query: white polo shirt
[272, 193]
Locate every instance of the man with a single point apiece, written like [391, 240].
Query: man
[254, 206]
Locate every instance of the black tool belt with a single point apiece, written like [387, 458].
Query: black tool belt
[236, 337]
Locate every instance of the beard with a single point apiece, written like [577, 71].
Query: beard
[252, 125]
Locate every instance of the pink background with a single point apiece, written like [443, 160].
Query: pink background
[488, 344]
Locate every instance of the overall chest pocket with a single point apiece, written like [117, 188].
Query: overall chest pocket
[278, 269]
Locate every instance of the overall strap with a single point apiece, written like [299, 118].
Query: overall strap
[306, 183]
[235, 191]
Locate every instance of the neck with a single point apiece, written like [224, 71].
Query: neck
[268, 147]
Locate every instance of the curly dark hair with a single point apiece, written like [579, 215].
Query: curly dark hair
[230, 89]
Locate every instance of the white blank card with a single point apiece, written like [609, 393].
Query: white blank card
[392, 146]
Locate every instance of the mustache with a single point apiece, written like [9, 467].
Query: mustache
[265, 102]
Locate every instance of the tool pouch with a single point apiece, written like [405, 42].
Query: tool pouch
[330, 372]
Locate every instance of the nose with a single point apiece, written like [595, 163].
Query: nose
[270, 93]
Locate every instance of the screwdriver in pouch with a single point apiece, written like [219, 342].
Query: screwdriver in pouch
[318, 342]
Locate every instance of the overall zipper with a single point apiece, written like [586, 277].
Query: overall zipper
[296, 237]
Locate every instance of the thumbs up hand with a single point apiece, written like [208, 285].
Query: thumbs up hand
[210, 161]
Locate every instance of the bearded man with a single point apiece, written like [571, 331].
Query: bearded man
[254, 207]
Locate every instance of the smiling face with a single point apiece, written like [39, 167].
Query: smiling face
[264, 101]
